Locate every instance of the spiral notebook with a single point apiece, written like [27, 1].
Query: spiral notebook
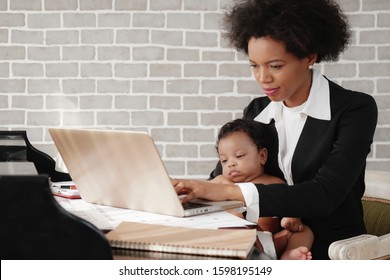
[229, 243]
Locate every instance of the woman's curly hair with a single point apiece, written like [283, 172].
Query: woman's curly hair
[304, 26]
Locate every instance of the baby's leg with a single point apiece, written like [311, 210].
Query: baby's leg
[294, 245]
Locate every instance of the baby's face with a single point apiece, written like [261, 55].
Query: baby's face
[241, 160]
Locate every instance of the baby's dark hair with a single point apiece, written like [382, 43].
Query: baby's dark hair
[305, 26]
[253, 129]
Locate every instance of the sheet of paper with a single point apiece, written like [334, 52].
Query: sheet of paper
[106, 217]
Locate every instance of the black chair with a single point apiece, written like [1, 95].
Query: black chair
[33, 224]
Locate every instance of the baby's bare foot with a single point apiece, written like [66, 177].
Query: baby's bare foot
[300, 253]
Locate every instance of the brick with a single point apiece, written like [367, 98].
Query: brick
[359, 53]
[217, 86]
[50, 118]
[165, 134]
[200, 70]
[139, 36]
[375, 5]
[113, 118]
[96, 4]
[96, 70]
[374, 69]
[61, 102]
[78, 118]
[4, 101]
[4, 69]
[27, 37]
[213, 119]
[14, 117]
[384, 53]
[113, 53]
[199, 103]
[200, 167]
[3, 36]
[131, 102]
[376, 37]
[147, 86]
[169, 38]
[181, 151]
[361, 20]
[55, 5]
[43, 86]
[212, 21]
[12, 85]
[201, 5]
[12, 20]
[165, 102]
[201, 39]
[60, 37]
[155, 20]
[130, 70]
[55, 70]
[43, 53]
[113, 86]
[12, 53]
[183, 86]
[234, 70]
[198, 135]
[27, 69]
[175, 168]
[149, 118]
[184, 21]
[164, 5]
[78, 86]
[133, 5]
[384, 86]
[96, 102]
[78, 53]
[114, 20]
[182, 54]
[44, 21]
[182, 119]
[218, 55]
[148, 53]
[30, 5]
[27, 102]
[361, 85]
[232, 102]
[165, 70]
[101, 36]
[79, 20]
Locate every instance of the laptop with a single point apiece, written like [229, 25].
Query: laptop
[124, 169]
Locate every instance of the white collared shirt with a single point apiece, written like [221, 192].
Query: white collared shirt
[289, 124]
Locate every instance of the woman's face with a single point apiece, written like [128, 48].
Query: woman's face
[282, 75]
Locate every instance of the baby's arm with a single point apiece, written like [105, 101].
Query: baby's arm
[292, 224]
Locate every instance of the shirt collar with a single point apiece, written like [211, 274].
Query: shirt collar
[317, 105]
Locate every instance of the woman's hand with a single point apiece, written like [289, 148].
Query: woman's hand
[203, 189]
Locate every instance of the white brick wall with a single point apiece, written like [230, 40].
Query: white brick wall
[160, 66]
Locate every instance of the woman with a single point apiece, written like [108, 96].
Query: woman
[319, 134]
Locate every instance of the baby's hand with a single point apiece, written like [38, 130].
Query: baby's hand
[292, 224]
[220, 179]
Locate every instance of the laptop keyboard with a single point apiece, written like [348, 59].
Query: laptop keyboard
[193, 205]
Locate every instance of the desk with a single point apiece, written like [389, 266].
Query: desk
[106, 218]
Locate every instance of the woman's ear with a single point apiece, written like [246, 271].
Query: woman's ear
[263, 156]
[312, 59]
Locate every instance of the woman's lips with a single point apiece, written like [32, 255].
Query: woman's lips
[270, 91]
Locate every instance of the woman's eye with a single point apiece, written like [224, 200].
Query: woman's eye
[240, 156]
[254, 66]
[276, 66]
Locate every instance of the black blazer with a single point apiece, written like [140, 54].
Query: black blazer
[328, 169]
